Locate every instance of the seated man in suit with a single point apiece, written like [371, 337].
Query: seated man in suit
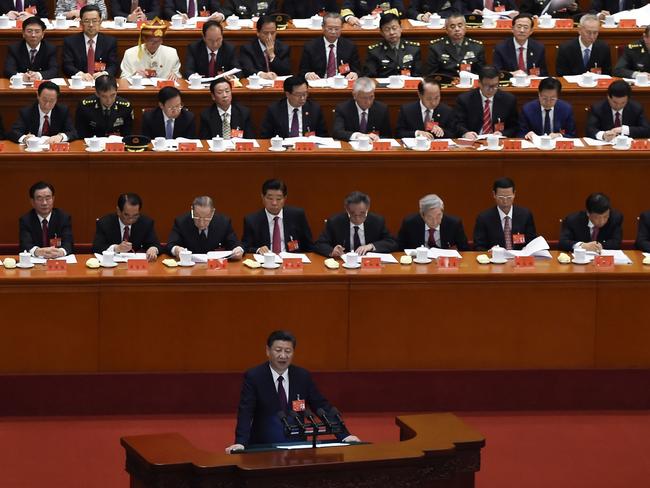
[486, 109]
[393, 55]
[617, 115]
[90, 53]
[586, 53]
[44, 118]
[21, 10]
[642, 242]
[603, 8]
[201, 230]
[548, 115]
[505, 225]
[550, 7]
[521, 54]
[454, 52]
[355, 230]
[635, 59]
[294, 115]
[127, 230]
[170, 120]
[427, 117]
[150, 59]
[362, 116]
[45, 231]
[423, 9]
[247, 9]
[211, 55]
[276, 228]
[33, 57]
[432, 227]
[264, 394]
[70, 9]
[304, 9]
[265, 55]
[353, 10]
[594, 229]
[140, 10]
[104, 113]
[324, 57]
[208, 9]
[476, 6]
[225, 118]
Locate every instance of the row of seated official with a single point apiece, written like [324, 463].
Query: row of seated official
[46, 231]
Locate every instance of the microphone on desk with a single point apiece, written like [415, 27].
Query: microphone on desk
[323, 416]
[335, 412]
[283, 418]
[296, 418]
[310, 416]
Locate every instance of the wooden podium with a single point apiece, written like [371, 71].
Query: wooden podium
[435, 450]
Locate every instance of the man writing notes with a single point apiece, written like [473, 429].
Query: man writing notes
[363, 115]
[586, 53]
[520, 53]
[273, 387]
[356, 230]
[548, 114]
[597, 227]
[225, 118]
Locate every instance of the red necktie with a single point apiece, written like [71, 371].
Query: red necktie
[127, 233]
[45, 131]
[46, 234]
[521, 65]
[277, 242]
[212, 65]
[282, 395]
[594, 233]
[489, 4]
[431, 241]
[268, 64]
[294, 131]
[90, 56]
[363, 123]
[487, 119]
[617, 119]
[331, 62]
[507, 232]
[191, 9]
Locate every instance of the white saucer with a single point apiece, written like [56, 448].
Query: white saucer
[395, 87]
[188, 265]
[24, 266]
[545, 148]
[552, 26]
[94, 150]
[233, 27]
[593, 85]
[346, 85]
[573, 260]
[525, 85]
[460, 85]
[605, 26]
[488, 27]
[426, 261]
[167, 149]
[498, 261]
[422, 149]
[357, 148]
[132, 87]
[645, 85]
[271, 266]
[369, 27]
[212, 149]
[278, 149]
[107, 265]
[348, 266]
[494, 149]
[76, 87]
[38, 149]
[177, 28]
[254, 87]
[197, 88]
[619, 148]
[429, 26]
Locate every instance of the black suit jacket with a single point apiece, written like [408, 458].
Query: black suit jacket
[346, 120]
[612, 6]
[575, 229]
[44, 62]
[469, 109]
[252, 60]
[452, 233]
[240, 118]
[643, 233]
[505, 56]
[536, 7]
[488, 231]
[122, 8]
[410, 119]
[153, 124]
[197, 59]
[470, 5]
[185, 234]
[303, 9]
[41, 7]
[74, 54]
[569, 58]
[172, 6]
[314, 59]
[600, 118]
[337, 232]
[276, 120]
[59, 225]
[28, 121]
[417, 7]
[245, 9]
[295, 226]
[142, 234]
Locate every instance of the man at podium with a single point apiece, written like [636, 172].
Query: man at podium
[274, 387]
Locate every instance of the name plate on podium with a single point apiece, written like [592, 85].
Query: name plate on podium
[60, 147]
[381, 146]
[564, 145]
[448, 262]
[367, 262]
[524, 261]
[56, 265]
[243, 146]
[292, 263]
[217, 263]
[114, 147]
[186, 147]
[305, 146]
[604, 261]
[137, 264]
[512, 145]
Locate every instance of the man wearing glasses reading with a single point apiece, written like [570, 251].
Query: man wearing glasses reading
[170, 120]
[547, 115]
[202, 229]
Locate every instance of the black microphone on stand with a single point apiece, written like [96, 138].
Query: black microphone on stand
[334, 411]
[283, 418]
[310, 416]
[299, 423]
[323, 416]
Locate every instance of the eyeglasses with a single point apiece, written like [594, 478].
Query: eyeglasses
[201, 219]
[176, 108]
[90, 21]
[548, 99]
[504, 198]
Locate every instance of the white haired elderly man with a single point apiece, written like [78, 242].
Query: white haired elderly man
[362, 116]
[431, 227]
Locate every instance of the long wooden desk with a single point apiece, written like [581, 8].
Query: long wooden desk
[435, 450]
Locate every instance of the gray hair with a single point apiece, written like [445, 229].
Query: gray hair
[430, 201]
[356, 197]
[332, 15]
[203, 201]
[588, 18]
[363, 84]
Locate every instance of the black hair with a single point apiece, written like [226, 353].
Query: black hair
[281, 335]
[503, 182]
[167, 93]
[293, 81]
[40, 185]
[48, 85]
[274, 184]
[550, 83]
[597, 203]
[105, 83]
[132, 198]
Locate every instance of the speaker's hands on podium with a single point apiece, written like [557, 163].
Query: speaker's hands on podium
[352, 438]
[234, 447]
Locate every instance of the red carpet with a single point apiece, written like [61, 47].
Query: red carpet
[527, 450]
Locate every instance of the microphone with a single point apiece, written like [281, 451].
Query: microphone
[283, 418]
[296, 418]
[310, 416]
[323, 416]
[335, 412]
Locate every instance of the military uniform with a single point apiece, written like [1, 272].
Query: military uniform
[92, 120]
[635, 58]
[359, 8]
[383, 60]
[445, 58]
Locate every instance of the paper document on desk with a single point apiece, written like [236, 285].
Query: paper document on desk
[172, 144]
[497, 15]
[324, 142]
[260, 259]
[619, 256]
[641, 15]
[70, 259]
[578, 78]
[123, 257]
[385, 257]
[435, 253]
[203, 258]
[596, 142]
[538, 247]
[208, 79]
[303, 257]
[410, 143]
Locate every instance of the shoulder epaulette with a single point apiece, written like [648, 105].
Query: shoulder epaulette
[437, 40]
[635, 45]
[412, 43]
[374, 45]
[475, 41]
[88, 101]
[123, 103]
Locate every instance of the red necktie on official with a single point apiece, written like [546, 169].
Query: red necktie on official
[127, 233]
[331, 62]
[90, 57]
[282, 395]
[594, 233]
[487, 119]
[431, 241]
[521, 64]
[46, 234]
[617, 119]
[212, 65]
[191, 9]
[276, 245]
[45, 130]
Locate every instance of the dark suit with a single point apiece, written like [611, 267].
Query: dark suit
[643, 233]
[41, 7]
[531, 119]
[74, 53]
[505, 56]
[314, 57]
[359, 8]
[197, 59]
[452, 233]
[18, 60]
[173, 6]
[276, 120]
[303, 9]
[259, 404]
[470, 5]
[31, 231]
[185, 234]
[141, 234]
[252, 59]
[337, 232]
[613, 6]
[601, 118]
[441, 7]
[346, 120]
[122, 8]
[488, 231]
[245, 9]
[410, 119]
[469, 107]
[575, 229]
[536, 7]
[240, 118]
[28, 121]
[294, 223]
[153, 124]
[569, 58]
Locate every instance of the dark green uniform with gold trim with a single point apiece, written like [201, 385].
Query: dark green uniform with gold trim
[635, 58]
[446, 59]
[93, 120]
[383, 60]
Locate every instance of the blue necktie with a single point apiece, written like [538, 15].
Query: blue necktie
[169, 129]
[547, 122]
[585, 57]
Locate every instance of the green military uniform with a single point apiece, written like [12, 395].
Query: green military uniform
[93, 120]
[446, 59]
[383, 60]
[635, 58]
